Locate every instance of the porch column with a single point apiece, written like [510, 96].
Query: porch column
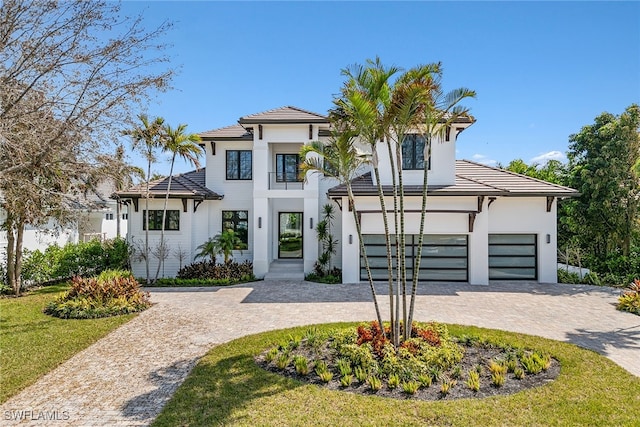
[350, 246]
[478, 256]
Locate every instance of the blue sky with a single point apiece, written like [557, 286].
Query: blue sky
[542, 70]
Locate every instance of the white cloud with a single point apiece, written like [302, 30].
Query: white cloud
[551, 155]
[481, 158]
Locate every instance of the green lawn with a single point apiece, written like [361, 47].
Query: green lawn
[32, 343]
[228, 388]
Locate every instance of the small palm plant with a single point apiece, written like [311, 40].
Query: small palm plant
[222, 244]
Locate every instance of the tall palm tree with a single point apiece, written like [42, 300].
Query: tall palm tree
[441, 112]
[147, 137]
[364, 104]
[340, 159]
[183, 145]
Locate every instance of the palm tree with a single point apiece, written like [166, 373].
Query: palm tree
[379, 110]
[442, 111]
[366, 96]
[340, 159]
[185, 145]
[222, 244]
[147, 137]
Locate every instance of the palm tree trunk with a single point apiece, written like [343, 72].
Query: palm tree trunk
[423, 214]
[395, 321]
[118, 214]
[385, 221]
[364, 253]
[401, 250]
[161, 249]
[146, 220]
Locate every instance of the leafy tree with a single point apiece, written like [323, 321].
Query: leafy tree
[553, 171]
[185, 145]
[222, 244]
[71, 74]
[602, 160]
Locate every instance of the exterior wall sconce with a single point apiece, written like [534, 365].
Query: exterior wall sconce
[351, 239]
[259, 222]
[548, 238]
[311, 223]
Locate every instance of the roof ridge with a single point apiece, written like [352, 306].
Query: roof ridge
[284, 107]
[516, 174]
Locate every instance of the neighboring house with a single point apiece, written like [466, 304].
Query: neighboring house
[482, 223]
[96, 219]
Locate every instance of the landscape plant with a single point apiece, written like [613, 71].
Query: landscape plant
[630, 298]
[111, 293]
[232, 271]
[223, 243]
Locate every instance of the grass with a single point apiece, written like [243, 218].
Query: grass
[32, 343]
[228, 388]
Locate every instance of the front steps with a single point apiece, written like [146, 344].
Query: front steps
[282, 269]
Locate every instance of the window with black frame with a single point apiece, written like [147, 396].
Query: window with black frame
[239, 164]
[288, 168]
[413, 152]
[238, 221]
[172, 220]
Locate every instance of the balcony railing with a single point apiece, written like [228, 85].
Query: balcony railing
[279, 181]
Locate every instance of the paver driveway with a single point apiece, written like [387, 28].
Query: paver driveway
[126, 378]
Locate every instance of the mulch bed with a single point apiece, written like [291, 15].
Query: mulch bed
[473, 356]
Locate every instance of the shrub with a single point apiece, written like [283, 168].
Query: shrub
[74, 259]
[630, 298]
[109, 294]
[232, 271]
[410, 387]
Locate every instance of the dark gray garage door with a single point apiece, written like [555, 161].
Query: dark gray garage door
[513, 256]
[444, 257]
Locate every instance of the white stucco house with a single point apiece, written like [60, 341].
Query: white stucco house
[96, 218]
[483, 223]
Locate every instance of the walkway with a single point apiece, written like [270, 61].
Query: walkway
[126, 378]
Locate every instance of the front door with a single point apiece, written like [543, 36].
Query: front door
[290, 235]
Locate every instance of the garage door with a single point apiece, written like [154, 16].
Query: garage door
[444, 257]
[513, 256]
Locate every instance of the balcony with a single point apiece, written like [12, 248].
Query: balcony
[285, 181]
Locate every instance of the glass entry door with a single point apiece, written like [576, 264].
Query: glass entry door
[290, 235]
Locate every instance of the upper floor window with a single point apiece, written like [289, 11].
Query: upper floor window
[238, 221]
[172, 221]
[109, 216]
[413, 152]
[239, 164]
[288, 168]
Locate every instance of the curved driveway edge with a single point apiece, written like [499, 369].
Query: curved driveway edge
[128, 376]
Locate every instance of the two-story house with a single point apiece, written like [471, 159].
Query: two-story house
[482, 223]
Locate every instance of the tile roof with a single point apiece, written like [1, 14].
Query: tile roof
[189, 185]
[472, 179]
[286, 114]
[228, 132]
